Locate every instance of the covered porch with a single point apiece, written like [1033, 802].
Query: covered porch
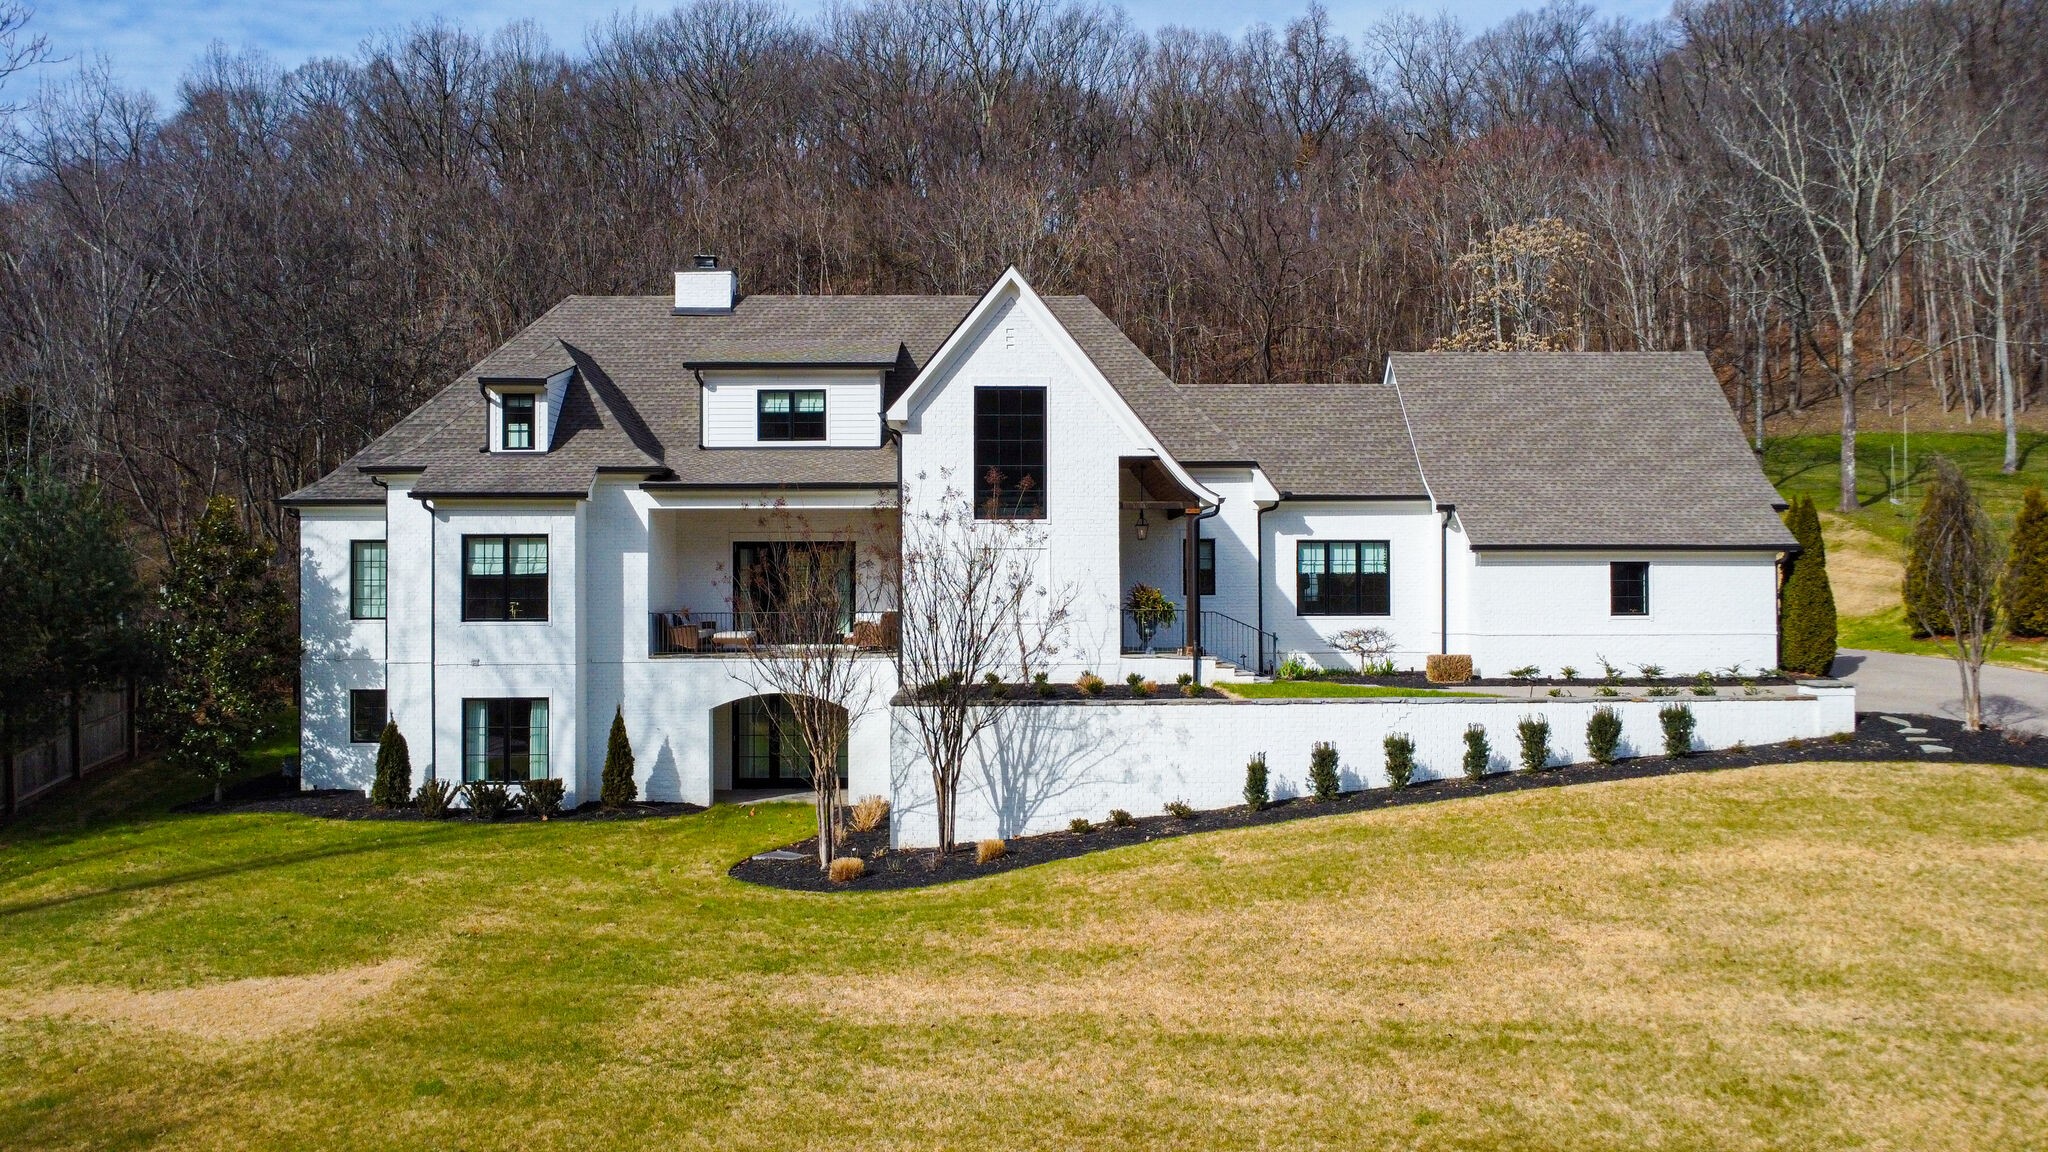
[1162, 547]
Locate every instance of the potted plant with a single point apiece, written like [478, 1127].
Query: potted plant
[1150, 611]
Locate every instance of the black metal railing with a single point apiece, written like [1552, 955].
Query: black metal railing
[1223, 638]
[712, 633]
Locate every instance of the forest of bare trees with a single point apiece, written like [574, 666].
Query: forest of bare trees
[1834, 198]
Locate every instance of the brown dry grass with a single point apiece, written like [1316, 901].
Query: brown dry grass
[1865, 571]
[846, 869]
[232, 1011]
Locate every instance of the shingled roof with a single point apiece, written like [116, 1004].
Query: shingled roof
[1586, 449]
[1338, 440]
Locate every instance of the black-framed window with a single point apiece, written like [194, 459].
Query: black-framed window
[1205, 567]
[368, 579]
[789, 414]
[1009, 453]
[366, 715]
[1628, 588]
[504, 578]
[1342, 578]
[505, 739]
[518, 426]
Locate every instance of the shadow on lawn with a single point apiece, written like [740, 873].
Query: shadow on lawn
[215, 872]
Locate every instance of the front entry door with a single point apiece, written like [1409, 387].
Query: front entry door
[767, 752]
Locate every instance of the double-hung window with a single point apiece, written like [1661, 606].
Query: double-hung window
[518, 426]
[505, 739]
[1342, 578]
[1628, 588]
[1205, 568]
[366, 713]
[368, 579]
[1009, 453]
[790, 414]
[504, 578]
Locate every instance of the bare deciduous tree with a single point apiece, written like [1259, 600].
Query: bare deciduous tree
[1958, 556]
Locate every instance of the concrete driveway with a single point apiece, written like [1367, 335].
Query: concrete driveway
[1889, 682]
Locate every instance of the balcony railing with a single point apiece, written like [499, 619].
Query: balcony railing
[736, 633]
[1223, 638]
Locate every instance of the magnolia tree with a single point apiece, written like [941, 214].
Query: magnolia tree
[976, 613]
[811, 645]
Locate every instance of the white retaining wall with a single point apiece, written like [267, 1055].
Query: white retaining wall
[1041, 765]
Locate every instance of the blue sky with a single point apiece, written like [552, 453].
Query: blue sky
[150, 43]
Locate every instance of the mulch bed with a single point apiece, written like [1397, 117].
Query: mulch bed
[1875, 738]
[281, 794]
[1421, 680]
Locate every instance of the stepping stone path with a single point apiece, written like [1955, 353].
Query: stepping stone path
[780, 854]
[1912, 731]
[1934, 748]
[1919, 739]
[1896, 720]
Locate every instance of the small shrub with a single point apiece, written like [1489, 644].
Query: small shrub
[616, 789]
[1294, 667]
[542, 798]
[1555, 692]
[1739, 747]
[845, 869]
[1191, 689]
[1478, 753]
[991, 679]
[1080, 824]
[392, 786]
[1603, 735]
[1678, 724]
[1400, 760]
[1090, 684]
[1381, 667]
[435, 797]
[1651, 671]
[1795, 743]
[1703, 684]
[1185, 679]
[870, 813]
[1180, 810]
[1847, 737]
[1447, 669]
[1533, 733]
[488, 799]
[1606, 690]
[1665, 691]
[1608, 672]
[987, 850]
[1255, 794]
[1322, 770]
[1120, 819]
[1526, 672]
[1132, 681]
[1145, 688]
[1568, 673]
[1749, 688]
[1041, 683]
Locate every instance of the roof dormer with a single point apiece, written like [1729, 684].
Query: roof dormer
[524, 410]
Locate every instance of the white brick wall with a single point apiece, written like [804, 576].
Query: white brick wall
[1044, 764]
[1410, 529]
[339, 654]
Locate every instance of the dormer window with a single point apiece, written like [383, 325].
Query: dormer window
[518, 426]
[790, 414]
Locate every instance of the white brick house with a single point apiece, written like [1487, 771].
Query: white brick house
[557, 534]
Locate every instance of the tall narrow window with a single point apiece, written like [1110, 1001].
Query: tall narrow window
[1205, 567]
[1009, 453]
[518, 421]
[1628, 588]
[1342, 578]
[504, 578]
[505, 739]
[366, 713]
[785, 414]
[368, 579]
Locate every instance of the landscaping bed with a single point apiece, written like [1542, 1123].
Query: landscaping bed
[281, 794]
[1627, 685]
[1876, 739]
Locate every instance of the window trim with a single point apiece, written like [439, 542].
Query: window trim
[507, 702]
[531, 402]
[1614, 571]
[506, 577]
[1039, 505]
[354, 732]
[355, 551]
[1301, 597]
[793, 395]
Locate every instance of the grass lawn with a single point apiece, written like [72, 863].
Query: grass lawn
[1867, 550]
[1317, 689]
[1788, 957]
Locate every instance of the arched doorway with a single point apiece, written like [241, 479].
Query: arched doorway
[767, 747]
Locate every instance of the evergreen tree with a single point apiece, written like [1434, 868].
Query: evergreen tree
[1807, 625]
[618, 789]
[2026, 569]
[1948, 501]
[393, 784]
[228, 647]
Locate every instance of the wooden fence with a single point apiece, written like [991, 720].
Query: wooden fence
[104, 734]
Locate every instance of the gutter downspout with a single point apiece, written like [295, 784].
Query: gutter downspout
[1443, 573]
[1194, 579]
[1259, 583]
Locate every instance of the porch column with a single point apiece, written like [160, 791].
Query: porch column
[1193, 599]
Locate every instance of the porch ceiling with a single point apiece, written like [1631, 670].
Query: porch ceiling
[1161, 490]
